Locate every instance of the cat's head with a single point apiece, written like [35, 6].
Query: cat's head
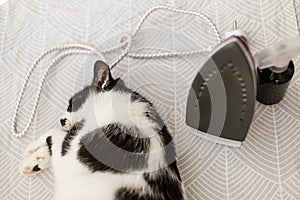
[105, 101]
[102, 82]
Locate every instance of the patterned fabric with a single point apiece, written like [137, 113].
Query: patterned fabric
[267, 166]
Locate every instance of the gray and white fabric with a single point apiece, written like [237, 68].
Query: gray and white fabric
[267, 166]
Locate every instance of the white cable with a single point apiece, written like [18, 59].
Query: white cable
[85, 49]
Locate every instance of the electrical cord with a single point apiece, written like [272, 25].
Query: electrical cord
[71, 49]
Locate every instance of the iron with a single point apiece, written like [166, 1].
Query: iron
[221, 101]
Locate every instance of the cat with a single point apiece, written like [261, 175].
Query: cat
[113, 145]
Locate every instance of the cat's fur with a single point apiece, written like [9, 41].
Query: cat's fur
[114, 146]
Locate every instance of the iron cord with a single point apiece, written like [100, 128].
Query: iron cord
[71, 49]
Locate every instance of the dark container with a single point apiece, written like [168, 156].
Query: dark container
[272, 85]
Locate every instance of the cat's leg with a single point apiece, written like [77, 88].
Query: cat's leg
[67, 121]
[39, 160]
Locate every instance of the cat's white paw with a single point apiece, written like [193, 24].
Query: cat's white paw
[37, 161]
[67, 122]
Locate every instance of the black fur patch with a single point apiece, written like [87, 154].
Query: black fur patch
[49, 143]
[69, 137]
[132, 194]
[67, 140]
[36, 168]
[114, 148]
[164, 185]
[63, 121]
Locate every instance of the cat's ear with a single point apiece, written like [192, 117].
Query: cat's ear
[102, 76]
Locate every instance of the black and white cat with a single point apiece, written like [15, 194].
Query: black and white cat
[113, 146]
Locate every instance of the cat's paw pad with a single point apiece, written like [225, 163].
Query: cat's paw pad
[36, 162]
[67, 122]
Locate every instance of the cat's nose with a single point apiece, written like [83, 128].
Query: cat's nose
[63, 121]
